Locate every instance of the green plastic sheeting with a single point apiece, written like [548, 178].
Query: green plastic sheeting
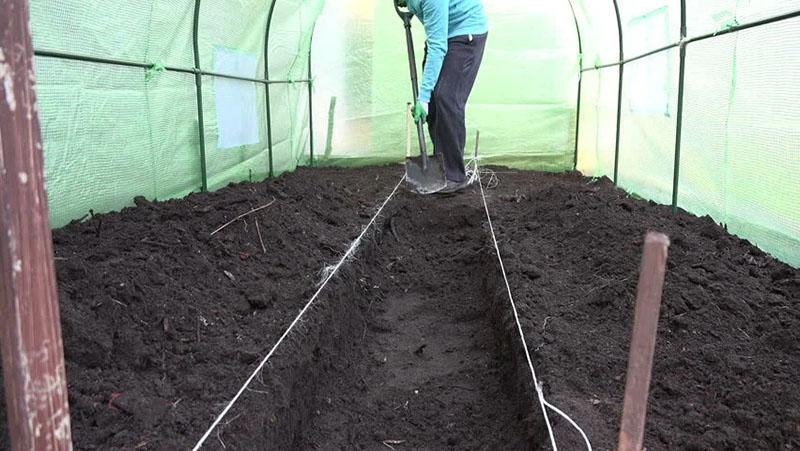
[523, 102]
[113, 132]
[740, 148]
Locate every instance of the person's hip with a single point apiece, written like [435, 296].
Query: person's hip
[468, 38]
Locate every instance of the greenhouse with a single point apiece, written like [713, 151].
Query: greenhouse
[210, 240]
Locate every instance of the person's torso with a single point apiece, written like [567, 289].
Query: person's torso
[464, 16]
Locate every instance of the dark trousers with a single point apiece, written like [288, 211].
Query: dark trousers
[446, 111]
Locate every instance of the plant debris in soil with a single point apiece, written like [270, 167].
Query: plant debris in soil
[412, 345]
[162, 322]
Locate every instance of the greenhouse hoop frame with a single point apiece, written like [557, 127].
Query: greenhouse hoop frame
[682, 44]
[199, 73]
[205, 172]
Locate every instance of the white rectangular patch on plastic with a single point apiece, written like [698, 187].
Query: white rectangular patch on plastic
[236, 103]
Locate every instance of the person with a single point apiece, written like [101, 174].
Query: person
[456, 32]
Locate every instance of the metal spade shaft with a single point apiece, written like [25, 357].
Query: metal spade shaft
[412, 64]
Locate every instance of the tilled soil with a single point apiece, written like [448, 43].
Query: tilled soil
[727, 356]
[163, 322]
[412, 345]
[434, 372]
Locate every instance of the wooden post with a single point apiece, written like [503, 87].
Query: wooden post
[643, 342]
[30, 333]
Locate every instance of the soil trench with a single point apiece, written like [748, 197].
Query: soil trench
[433, 371]
[413, 345]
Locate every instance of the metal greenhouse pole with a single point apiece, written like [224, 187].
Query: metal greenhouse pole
[619, 92]
[309, 80]
[198, 80]
[30, 331]
[266, 87]
[310, 100]
[580, 81]
[679, 119]
[183, 70]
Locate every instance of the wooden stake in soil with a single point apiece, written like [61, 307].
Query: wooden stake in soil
[30, 331]
[643, 342]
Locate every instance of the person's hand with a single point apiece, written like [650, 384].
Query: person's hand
[421, 111]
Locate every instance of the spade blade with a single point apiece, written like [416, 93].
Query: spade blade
[428, 180]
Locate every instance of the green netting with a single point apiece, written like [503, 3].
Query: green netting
[740, 156]
[242, 162]
[216, 36]
[647, 131]
[110, 135]
[240, 28]
[153, 31]
[598, 25]
[290, 102]
[742, 142]
[598, 123]
[113, 132]
[597, 134]
[649, 24]
[710, 16]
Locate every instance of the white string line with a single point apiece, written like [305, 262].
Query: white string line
[516, 315]
[574, 424]
[539, 392]
[472, 173]
[331, 273]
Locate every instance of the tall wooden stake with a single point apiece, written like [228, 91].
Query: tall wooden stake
[30, 333]
[643, 342]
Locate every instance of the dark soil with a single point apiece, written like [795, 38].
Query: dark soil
[435, 372]
[162, 322]
[412, 344]
[727, 361]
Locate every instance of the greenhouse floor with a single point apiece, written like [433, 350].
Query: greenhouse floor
[413, 345]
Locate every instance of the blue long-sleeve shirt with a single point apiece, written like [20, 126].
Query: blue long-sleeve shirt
[442, 20]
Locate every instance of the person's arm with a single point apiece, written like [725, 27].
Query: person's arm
[436, 13]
